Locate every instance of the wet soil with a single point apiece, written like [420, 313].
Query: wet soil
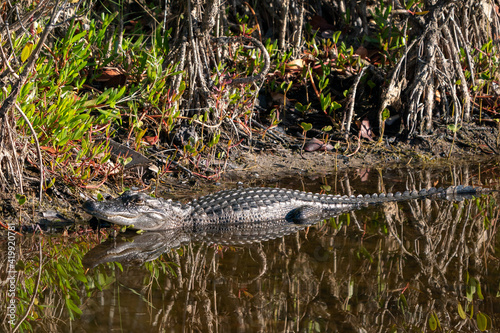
[440, 148]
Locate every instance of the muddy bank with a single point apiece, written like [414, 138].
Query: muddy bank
[439, 149]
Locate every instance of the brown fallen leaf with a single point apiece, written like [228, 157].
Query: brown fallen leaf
[364, 174]
[280, 99]
[150, 140]
[365, 129]
[362, 52]
[112, 77]
[315, 144]
[437, 95]
[296, 64]
[50, 150]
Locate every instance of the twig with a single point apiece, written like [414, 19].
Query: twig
[37, 145]
[255, 19]
[6, 62]
[312, 82]
[357, 148]
[16, 159]
[6, 227]
[350, 104]
[267, 61]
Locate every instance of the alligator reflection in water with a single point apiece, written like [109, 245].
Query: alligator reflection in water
[139, 248]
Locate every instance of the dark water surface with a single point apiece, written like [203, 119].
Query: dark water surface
[406, 267]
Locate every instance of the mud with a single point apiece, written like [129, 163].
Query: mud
[440, 148]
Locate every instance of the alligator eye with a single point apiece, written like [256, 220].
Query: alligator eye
[134, 201]
[138, 201]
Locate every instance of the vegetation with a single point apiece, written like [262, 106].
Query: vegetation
[186, 84]
[169, 82]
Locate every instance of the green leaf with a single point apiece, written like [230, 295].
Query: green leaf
[78, 37]
[402, 302]
[299, 107]
[124, 161]
[50, 183]
[326, 188]
[72, 307]
[81, 277]
[306, 126]
[326, 129]
[120, 267]
[335, 105]
[61, 271]
[21, 198]
[20, 266]
[479, 293]
[386, 114]
[433, 322]
[483, 321]
[28, 48]
[365, 253]
[325, 101]
[453, 128]
[461, 311]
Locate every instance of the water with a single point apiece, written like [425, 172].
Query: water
[407, 266]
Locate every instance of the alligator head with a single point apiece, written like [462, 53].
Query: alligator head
[139, 211]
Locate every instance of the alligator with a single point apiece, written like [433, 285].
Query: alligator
[252, 206]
